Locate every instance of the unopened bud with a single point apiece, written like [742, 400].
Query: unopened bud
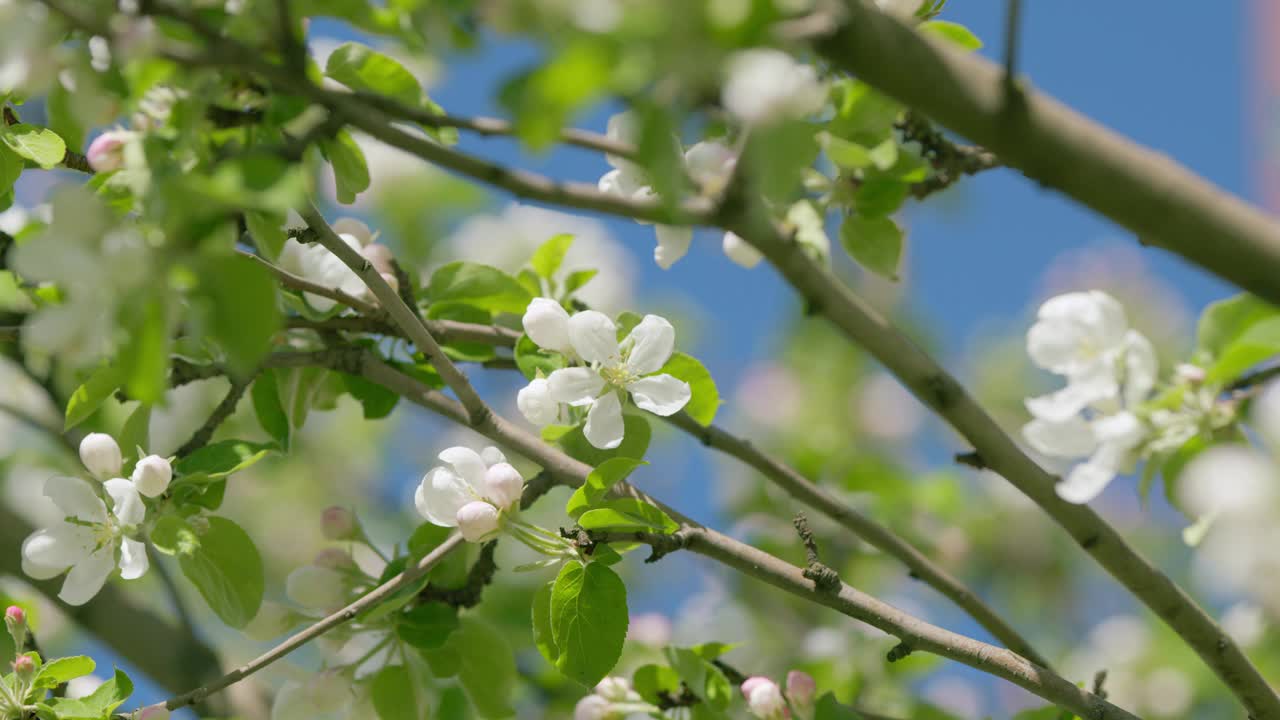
[152, 712]
[101, 456]
[15, 620]
[152, 475]
[335, 559]
[614, 689]
[25, 668]
[503, 485]
[592, 707]
[106, 152]
[801, 688]
[478, 521]
[338, 523]
[1193, 374]
[764, 698]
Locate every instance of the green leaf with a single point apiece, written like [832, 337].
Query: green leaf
[705, 398]
[99, 704]
[377, 401]
[41, 146]
[576, 279]
[63, 116]
[172, 535]
[10, 169]
[88, 397]
[608, 474]
[879, 197]
[547, 258]
[588, 621]
[486, 667]
[862, 114]
[884, 155]
[828, 708]
[487, 288]
[845, 154]
[462, 350]
[533, 360]
[626, 514]
[955, 33]
[267, 231]
[426, 538]
[136, 432]
[876, 243]
[653, 680]
[223, 458]
[56, 672]
[777, 156]
[350, 170]
[1260, 341]
[1224, 321]
[704, 678]
[362, 68]
[243, 314]
[265, 395]
[145, 358]
[635, 442]
[227, 570]
[428, 625]
[394, 694]
[543, 638]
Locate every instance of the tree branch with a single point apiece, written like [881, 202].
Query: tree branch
[296, 282]
[1162, 202]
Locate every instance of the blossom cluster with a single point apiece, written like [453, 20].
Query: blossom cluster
[94, 538]
[610, 370]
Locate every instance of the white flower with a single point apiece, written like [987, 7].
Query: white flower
[152, 475]
[710, 164]
[469, 492]
[101, 455]
[764, 698]
[315, 263]
[765, 85]
[86, 542]
[1110, 369]
[615, 368]
[617, 689]
[592, 707]
[740, 251]
[1229, 480]
[536, 404]
[317, 588]
[546, 322]
[673, 244]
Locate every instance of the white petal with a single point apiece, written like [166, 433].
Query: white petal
[440, 494]
[546, 322]
[75, 498]
[1266, 414]
[492, 455]
[1071, 438]
[536, 404]
[1084, 483]
[650, 344]
[1081, 391]
[467, 463]
[88, 576]
[50, 552]
[710, 164]
[503, 485]
[101, 455]
[358, 231]
[624, 182]
[594, 336]
[151, 475]
[604, 427]
[623, 127]
[133, 559]
[477, 521]
[1228, 479]
[740, 251]
[127, 501]
[576, 386]
[673, 244]
[660, 394]
[1140, 368]
[1122, 430]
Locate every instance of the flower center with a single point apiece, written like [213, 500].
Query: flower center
[617, 375]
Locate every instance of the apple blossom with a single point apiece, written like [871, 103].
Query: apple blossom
[546, 322]
[106, 152]
[315, 263]
[617, 368]
[1110, 370]
[101, 456]
[764, 698]
[157, 711]
[801, 688]
[470, 491]
[536, 404]
[765, 85]
[593, 707]
[617, 689]
[25, 668]
[152, 475]
[87, 541]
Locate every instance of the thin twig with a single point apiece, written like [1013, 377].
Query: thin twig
[296, 282]
[346, 614]
[220, 413]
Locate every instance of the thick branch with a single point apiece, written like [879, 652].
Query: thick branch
[933, 386]
[1162, 202]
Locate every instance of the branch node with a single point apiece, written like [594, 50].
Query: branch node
[823, 577]
[971, 459]
[898, 652]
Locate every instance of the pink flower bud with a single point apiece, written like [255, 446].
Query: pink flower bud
[478, 521]
[503, 485]
[801, 688]
[764, 698]
[15, 621]
[16, 615]
[152, 712]
[25, 668]
[339, 523]
[106, 152]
